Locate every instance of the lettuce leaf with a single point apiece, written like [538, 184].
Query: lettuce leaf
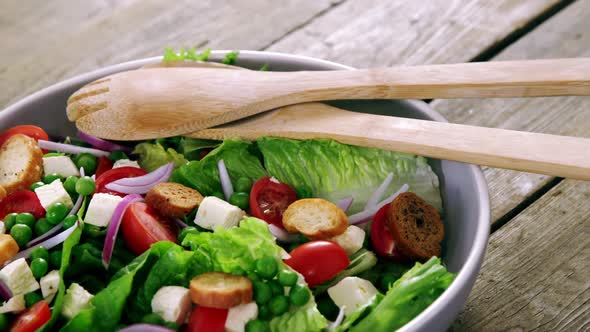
[332, 170]
[305, 318]
[154, 155]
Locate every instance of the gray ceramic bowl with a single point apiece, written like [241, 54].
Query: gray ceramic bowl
[465, 194]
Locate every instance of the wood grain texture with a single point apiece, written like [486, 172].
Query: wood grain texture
[564, 35]
[536, 273]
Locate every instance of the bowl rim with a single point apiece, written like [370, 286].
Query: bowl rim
[472, 265]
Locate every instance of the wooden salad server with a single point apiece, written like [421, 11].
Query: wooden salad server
[159, 102]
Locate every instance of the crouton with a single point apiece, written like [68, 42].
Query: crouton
[3, 193]
[220, 290]
[8, 248]
[416, 227]
[173, 199]
[315, 218]
[21, 163]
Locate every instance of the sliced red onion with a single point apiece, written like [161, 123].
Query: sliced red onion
[345, 203]
[145, 328]
[68, 148]
[109, 242]
[376, 196]
[180, 223]
[47, 235]
[82, 173]
[142, 184]
[226, 185]
[282, 235]
[334, 325]
[100, 143]
[48, 244]
[5, 292]
[366, 215]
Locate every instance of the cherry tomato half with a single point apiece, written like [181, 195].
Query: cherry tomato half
[116, 174]
[32, 319]
[27, 130]
[269, 199]
[204, 319]
[142, 226]
[318, 261]
[381, 237]
[104, 164]
[22, 201]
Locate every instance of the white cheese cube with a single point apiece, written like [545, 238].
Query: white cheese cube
[101, 208]
[352, 293]
[49, 285]
[53, 193]
[61, 165]
[351, 240]
[19, 277]
[76, 300]
[214, 212]
[238, 316]
[125, 163]
[172, 303]
[15, 304]
[2, 227]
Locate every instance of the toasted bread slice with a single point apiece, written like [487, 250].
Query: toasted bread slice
[315, 218]
[416, 227]
[173, 199]
[8, 248]
[21, 163]
[220, 290]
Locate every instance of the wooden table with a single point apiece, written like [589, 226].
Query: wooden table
[536, 275]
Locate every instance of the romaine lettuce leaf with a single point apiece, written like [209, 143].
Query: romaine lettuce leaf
[154, 155]
[332, 170]
[305, 318]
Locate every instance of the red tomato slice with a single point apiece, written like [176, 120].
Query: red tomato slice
[204, 319]
[22, 201]
[381, 237]
[318, 261]
[116, 174]
[104, 164]
[32, 319]
[27, 130]
[142, 226]
[269, 199]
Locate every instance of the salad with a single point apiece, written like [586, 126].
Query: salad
[197, 235]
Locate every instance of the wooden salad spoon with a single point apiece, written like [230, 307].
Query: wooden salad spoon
[159, 102]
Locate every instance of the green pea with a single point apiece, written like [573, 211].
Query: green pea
[218, 195]
[262, 292]
[70, 221]
[55, 259]
[186, 231]
[276, 288]
[287, 278]
[37, 185]
[278, 305]
[22, 234]
[266, 267]
[4, 322]
[257, 325]
[32, 298]
[39, 266]
[42, 226]
[118, 155]
[9, 221]
[39, 252]
[47, 179]
[243, 184]
[25, 218]
[87, 161]
[93, 231]
[85, 186]
[263, 312]
[56, 212]
[253, 276]
[303, 192]
[70, 184]
[240, 199]
[299, 295]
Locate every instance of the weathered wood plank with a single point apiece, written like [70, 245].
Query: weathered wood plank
[564, 35]
[390, 32]
[133, 30]
[536, 273]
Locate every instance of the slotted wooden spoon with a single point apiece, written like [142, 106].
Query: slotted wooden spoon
[159, 102]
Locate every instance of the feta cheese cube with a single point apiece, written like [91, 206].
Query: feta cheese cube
[101, 208]
[53, 193]
[351, 240]
[49, 285]
[172, 303]
[2, 227]
[76, 300]
[15, 304]
[238, 316]
[125, 163]
[352, 293]
[18, 277]
[215, 212]
[61, 165]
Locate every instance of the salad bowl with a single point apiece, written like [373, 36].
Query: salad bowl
[463, 187]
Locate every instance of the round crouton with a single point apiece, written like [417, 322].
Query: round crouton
[173, 199]
[21, 163]
[315, 218]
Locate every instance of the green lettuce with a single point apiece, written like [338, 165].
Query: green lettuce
[332, 170]
[305, 318]
[184, 54]
[154, 155]
[240, 160]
